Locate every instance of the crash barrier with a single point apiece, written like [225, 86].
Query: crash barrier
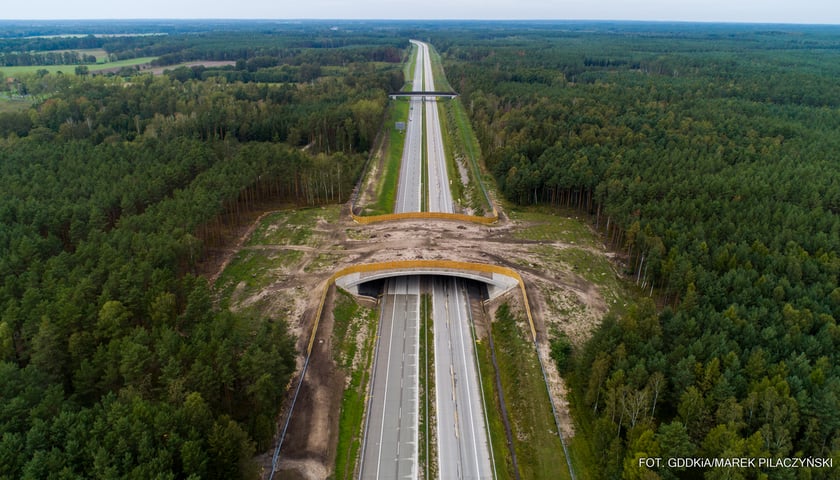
[460, 217]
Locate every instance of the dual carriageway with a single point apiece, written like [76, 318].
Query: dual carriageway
[392, 437]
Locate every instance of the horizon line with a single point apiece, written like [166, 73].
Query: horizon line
[409, 20]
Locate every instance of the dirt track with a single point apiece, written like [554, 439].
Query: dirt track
[310, 443]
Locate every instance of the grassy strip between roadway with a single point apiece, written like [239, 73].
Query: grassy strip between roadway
[424, 165]
[352, 322]
[538, 449]
[424, 179]
[428, 447]
[469, 150]
[386, 188]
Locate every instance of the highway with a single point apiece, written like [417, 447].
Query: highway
[390, 449]
[440, 196]
[463, 447]
[463, 450]
[411, 166]
[391, 443]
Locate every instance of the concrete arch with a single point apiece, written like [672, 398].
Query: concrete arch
[497, 282]
[498, 279]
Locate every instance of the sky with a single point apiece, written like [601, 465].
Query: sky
[751, 11]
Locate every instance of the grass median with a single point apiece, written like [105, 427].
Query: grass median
[428, 449]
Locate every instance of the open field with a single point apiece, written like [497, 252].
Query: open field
[100, 54]
[293, 227]
[71, 69]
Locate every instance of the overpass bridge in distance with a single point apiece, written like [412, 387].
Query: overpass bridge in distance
[423, 94]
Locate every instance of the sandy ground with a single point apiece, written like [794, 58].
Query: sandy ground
[309, 447]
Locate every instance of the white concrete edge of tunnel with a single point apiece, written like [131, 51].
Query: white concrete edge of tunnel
[497, 283]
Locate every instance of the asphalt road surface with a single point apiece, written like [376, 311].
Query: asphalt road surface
[391, 443]
[440, 196]
[463, 447]
[463, 450]
[408, 190]
[390, 448]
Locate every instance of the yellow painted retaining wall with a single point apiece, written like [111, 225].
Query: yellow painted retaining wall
[366, 220]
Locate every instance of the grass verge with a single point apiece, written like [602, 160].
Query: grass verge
[456, 185]
[386, 188]
[536, 442]
[354, 358]
[498, 437]
[441, 83]
[470, 151]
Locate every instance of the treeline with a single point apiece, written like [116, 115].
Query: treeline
[272, 55]
[709, 161]
[276, 70]
[44, 59]
[340, 113]
[317, 44]
[45, 44]
[113, 360]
